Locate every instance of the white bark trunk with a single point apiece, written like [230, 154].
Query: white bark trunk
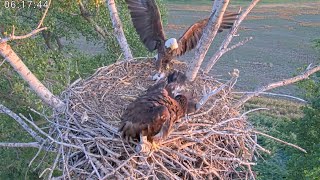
[118, 31]
[208, 35]
[11, 57]
[224, 46]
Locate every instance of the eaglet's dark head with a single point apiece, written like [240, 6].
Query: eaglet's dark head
[177, 77]
[176, 83]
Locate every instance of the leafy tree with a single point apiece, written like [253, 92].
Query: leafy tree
[307, 166]
[286, 162]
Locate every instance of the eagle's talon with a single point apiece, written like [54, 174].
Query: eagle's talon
[156, 57]
[155, 147]
[167, 67]
[143, 146]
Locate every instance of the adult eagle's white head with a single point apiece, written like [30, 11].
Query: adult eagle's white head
[171, 43]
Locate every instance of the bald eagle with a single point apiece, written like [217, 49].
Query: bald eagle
[146, 19]
[154, 113]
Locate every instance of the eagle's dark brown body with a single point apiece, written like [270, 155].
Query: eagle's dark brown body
[154, 113]
[151, 114]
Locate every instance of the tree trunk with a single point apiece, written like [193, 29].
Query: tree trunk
[207, 37]
[11, 57]
[118, 31]
[224, 46]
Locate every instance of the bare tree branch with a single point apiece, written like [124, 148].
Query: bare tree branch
[10, 56]
[118, 31]
[35, 31]
[221, 52]
[224, 46]
[274, 94]
[13, 37]
[7, 52]
[2, 62]
[24, 125]
[241, 43]
[209, 33]
[279, 140]
[30, 144]
[47, 135]
[284, 82]
[210, 93]
[44, 15]
[85, 14]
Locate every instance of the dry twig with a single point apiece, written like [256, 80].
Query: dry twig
[33, 32]
[214, 142]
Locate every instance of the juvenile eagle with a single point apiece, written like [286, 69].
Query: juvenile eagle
[146, 19]
[154, 113]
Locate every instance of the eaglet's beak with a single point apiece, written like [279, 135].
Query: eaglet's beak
[178, 90]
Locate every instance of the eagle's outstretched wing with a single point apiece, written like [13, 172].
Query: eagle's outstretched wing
[146, 19]
[191, 37]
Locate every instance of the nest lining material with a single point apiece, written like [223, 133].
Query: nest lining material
[211, 144]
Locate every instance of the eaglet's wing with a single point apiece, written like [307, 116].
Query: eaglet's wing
[191, 37]
[146, 115]
[146, 19]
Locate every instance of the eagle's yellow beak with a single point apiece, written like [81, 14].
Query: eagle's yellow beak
[174, 46]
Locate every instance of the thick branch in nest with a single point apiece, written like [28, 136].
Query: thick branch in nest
[207, 94]
[209, 33]
[30, 144]
[118, 31]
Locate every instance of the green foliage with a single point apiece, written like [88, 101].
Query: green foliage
[272, 166]
[53, 65]
[317, 44]
[286, 162]
[14, 162]
[307, 166]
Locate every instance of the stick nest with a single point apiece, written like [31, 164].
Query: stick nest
[211, 144]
